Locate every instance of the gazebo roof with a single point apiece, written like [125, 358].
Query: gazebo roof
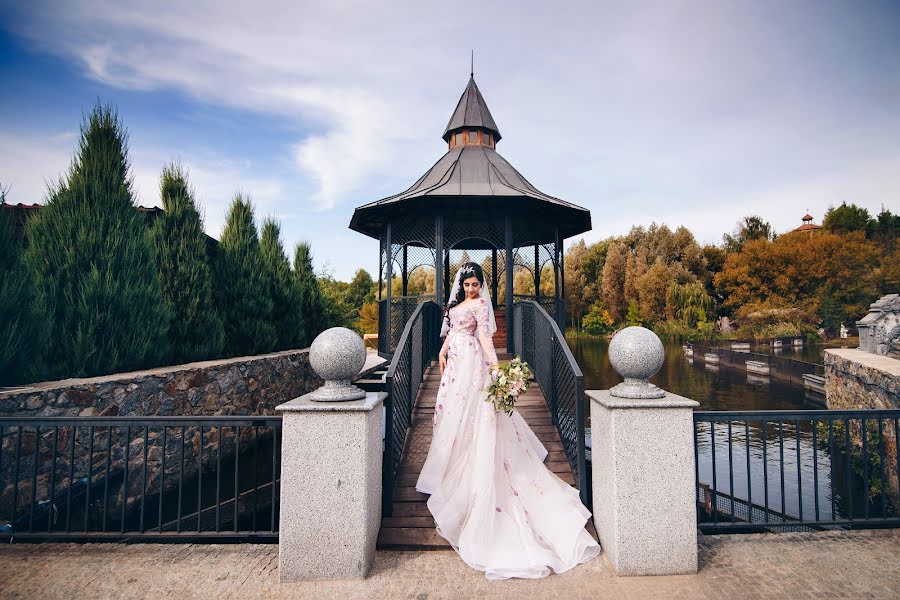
[473, 178]
[471, 112]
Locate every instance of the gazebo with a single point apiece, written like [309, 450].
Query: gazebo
[472, 205]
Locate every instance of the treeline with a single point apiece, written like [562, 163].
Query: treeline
[97, 287]
[755, 284]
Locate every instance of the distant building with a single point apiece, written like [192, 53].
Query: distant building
[808, 225]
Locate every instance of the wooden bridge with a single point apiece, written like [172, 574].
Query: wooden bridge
[411, 524]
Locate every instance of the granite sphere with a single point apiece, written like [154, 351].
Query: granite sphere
[337, 354]
[636, 353]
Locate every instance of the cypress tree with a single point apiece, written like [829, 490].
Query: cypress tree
[93, 261]
[283, 287]
[242, 294]
[23, 327]
[195, 331]
[312, 305]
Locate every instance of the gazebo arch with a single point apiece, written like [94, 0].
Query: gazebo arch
[472, 200]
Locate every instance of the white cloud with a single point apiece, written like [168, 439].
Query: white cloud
[690, 113]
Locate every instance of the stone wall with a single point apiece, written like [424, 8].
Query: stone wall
[857, 379]
[233, 386]
[238, 386]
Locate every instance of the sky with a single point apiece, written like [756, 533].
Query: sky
[689, 112]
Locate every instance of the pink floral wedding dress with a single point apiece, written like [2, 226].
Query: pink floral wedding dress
[492, 498]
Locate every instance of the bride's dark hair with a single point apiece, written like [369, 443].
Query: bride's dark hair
[469, 269]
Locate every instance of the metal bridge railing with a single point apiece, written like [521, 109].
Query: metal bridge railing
[116, 478]
[772, 470]
[417, 347]
[539, 341]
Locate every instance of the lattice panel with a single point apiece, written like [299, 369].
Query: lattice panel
[418, 231]
[492, 231]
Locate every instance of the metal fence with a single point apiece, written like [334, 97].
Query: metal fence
[418, 346]
[539, 341]
[762, 470]
[789, 369]
[115, 478]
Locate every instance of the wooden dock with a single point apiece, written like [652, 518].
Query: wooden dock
[411, 526]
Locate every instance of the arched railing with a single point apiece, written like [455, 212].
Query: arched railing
[539, 341]
[418, 346]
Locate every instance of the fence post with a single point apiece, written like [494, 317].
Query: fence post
[644, 494]
[331, 469]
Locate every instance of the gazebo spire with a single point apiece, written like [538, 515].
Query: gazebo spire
[471, 114]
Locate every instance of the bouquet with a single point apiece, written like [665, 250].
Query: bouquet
[509, 382]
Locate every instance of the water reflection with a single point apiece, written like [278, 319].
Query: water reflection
[722, 388]
[774, 465]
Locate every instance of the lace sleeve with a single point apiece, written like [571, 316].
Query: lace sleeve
[487, 343]
[446, 345]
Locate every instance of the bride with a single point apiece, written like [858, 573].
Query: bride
[492, 498]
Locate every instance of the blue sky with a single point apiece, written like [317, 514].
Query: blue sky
[684, 112]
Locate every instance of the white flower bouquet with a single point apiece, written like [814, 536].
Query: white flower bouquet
[509, 382]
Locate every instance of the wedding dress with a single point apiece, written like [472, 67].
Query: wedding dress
[492, 498]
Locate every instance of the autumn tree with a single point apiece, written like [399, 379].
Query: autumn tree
[793, 271]
[613, 290]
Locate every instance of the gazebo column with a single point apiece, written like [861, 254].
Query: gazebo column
[440, 274]
[389, 275]
[381, 269]
[556, 245]
[561, 318]
[537, 272]
[405, 273]
[510, 343]
[494, 285]
[447, 274]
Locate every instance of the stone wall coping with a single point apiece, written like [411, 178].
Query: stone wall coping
[889, 365]
[670, 400]
[63, 384]
[304, 404]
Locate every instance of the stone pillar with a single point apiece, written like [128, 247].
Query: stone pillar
[331, 469]
[643, 466]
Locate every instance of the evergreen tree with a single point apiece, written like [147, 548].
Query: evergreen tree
[362, 289]
[312, 306]
[283, 287]
[242, 294]
[23, 328]
[846, 218]
[195, 331]
[94, 264]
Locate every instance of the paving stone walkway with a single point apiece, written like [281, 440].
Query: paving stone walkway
[825, 565]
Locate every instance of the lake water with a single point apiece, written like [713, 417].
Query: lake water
[786, 457]
[721, 389]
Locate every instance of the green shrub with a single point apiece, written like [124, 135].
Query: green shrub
[195, 331]
[23, 327]
[93, 262]
[598, 321]
[283, 287]
[241, 293]
[312, 305]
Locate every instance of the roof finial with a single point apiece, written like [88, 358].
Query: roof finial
[472, 72]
